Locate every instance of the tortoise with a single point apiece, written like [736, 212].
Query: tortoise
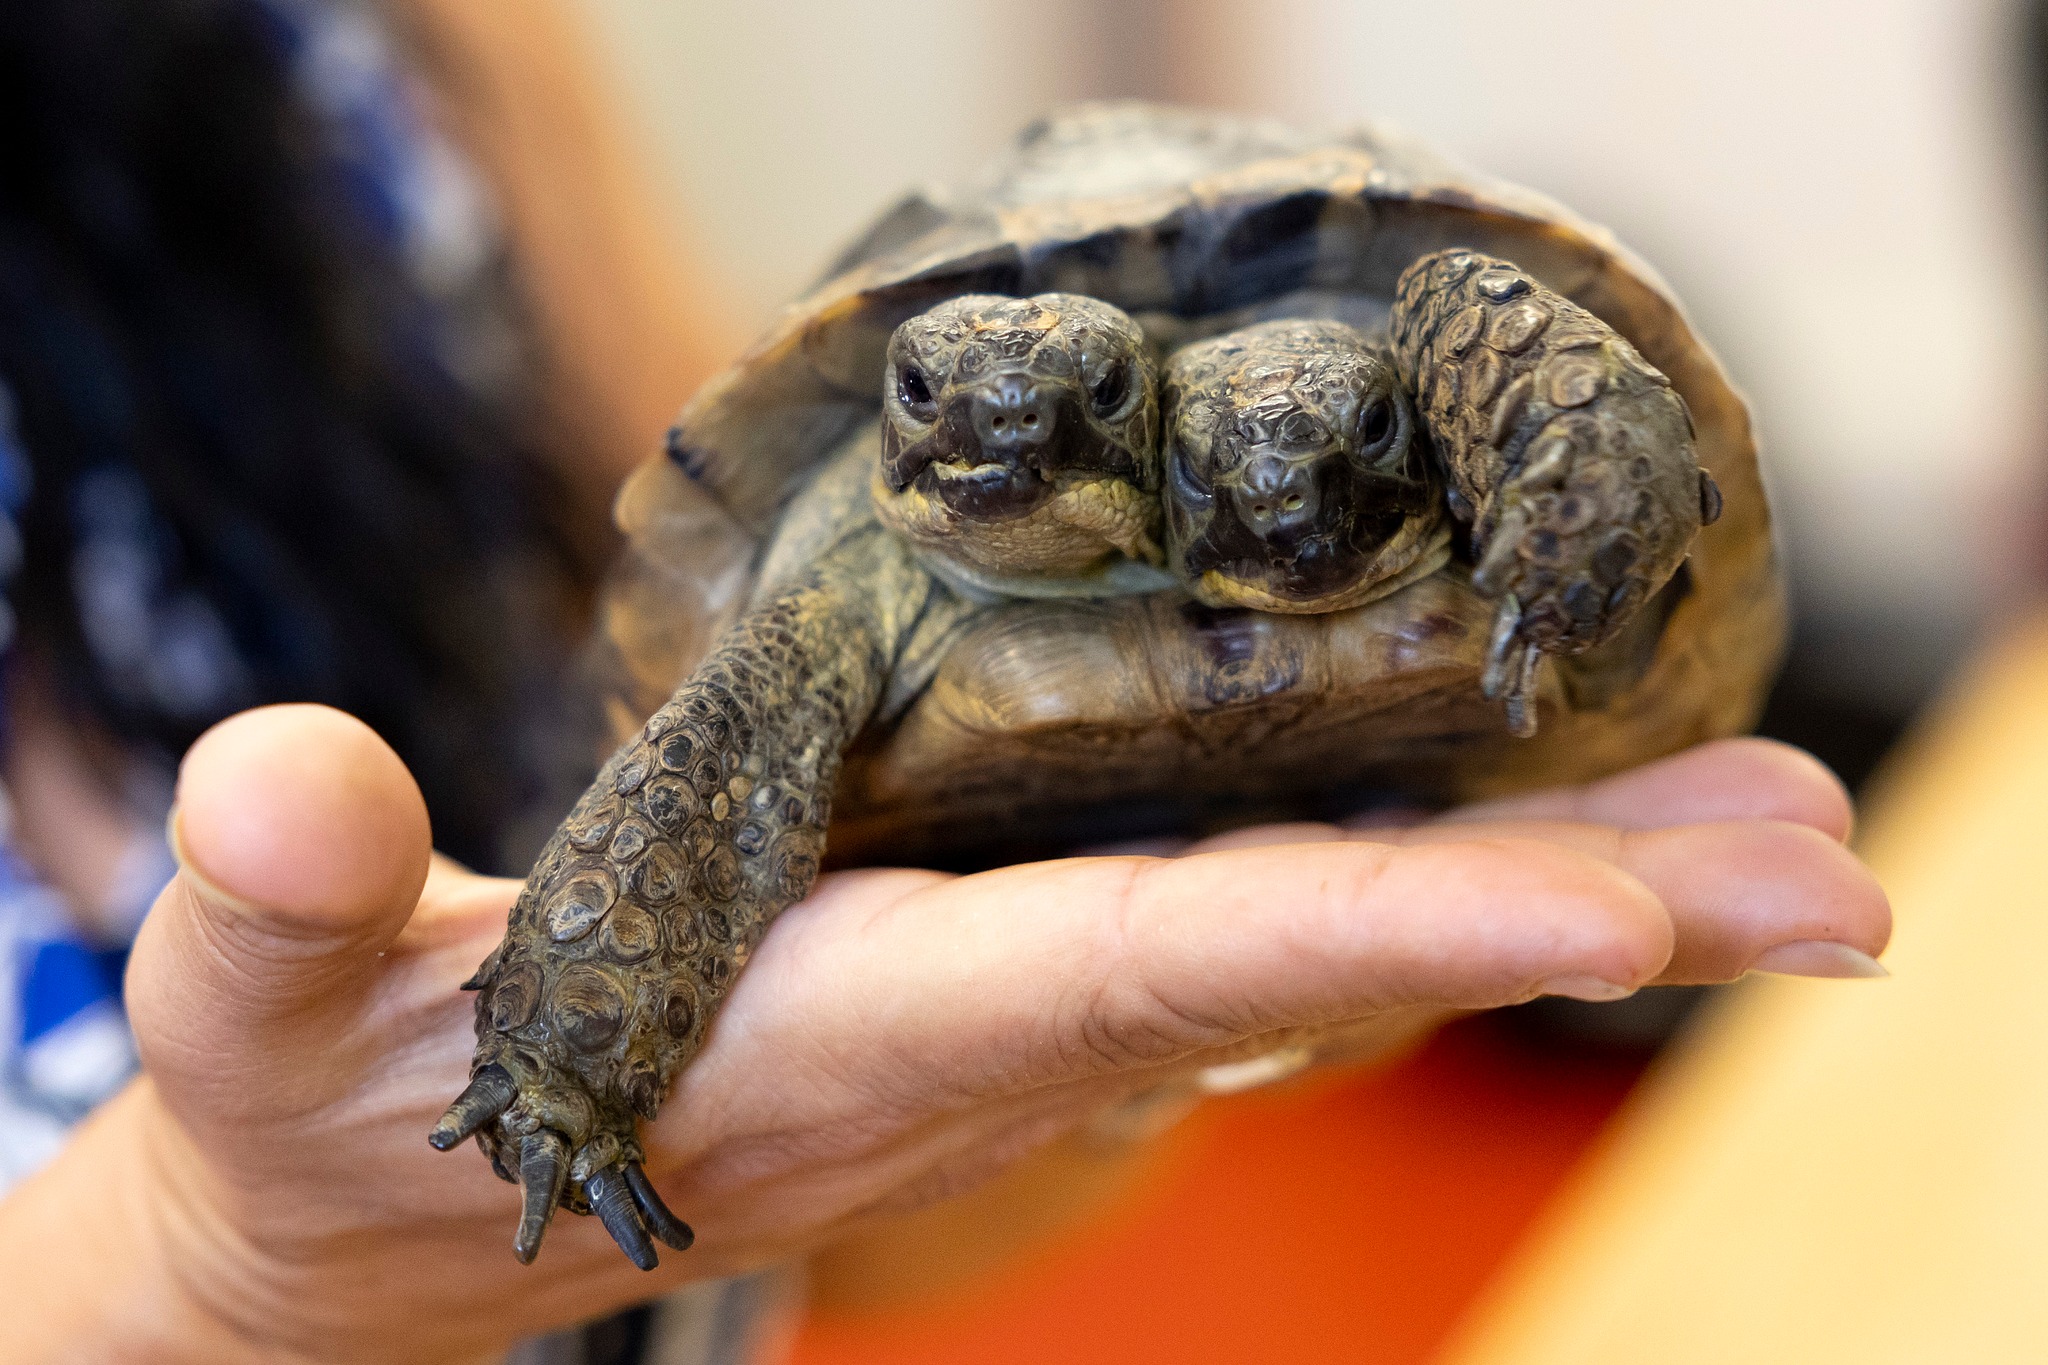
[1184, 467]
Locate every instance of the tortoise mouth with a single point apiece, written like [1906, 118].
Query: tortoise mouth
[1330, 576]
[983, 491]
[1323, 565]
[1367, 536]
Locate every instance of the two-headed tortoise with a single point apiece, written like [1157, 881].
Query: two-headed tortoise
[1184, 461]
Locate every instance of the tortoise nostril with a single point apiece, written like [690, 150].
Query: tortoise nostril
[1011, 416]
[1277, 499]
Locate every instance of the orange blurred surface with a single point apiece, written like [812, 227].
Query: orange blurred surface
[1349, 1219]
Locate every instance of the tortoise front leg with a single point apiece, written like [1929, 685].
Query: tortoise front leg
[1569, 454]
[648, 900]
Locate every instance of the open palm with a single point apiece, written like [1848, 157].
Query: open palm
[264, 1191]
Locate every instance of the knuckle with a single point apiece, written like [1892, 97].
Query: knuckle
[1127, 1016]
[1126, 1025]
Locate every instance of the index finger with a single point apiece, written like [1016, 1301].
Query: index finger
[1722, 780]
[1055, 972]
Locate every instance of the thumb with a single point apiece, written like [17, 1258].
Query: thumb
[302, 845]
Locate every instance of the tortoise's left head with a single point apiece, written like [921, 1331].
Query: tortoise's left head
[1020, 437]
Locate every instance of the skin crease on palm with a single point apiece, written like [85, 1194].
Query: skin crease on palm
[264, 1193]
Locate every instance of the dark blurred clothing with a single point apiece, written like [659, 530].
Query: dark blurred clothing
[263, 356]
[266, 406]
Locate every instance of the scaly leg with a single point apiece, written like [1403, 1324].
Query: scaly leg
[650, 897]
[1571, 456]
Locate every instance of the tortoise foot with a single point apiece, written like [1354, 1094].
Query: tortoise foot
[565, 1145]
[1567, 546]
[1568, 562]
[1571, 455]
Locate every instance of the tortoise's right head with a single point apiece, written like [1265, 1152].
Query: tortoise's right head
[1297, 478]
[1020, 436]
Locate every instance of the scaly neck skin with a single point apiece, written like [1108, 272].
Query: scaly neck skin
[1115, 577]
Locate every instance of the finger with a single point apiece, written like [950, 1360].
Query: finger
[1729, 779]
[303, 846]
[1762, 895]
[1059, 970]
[1261, 836]
[1366, 822]
[1266, 836]
[1736, 891]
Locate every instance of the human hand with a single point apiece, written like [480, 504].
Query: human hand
[265, 1192]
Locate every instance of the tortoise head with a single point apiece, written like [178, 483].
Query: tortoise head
[1296, 477]
[1020, 436]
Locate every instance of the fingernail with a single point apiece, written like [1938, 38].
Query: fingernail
[1818, 957]
[174, 835]
[1585, 988]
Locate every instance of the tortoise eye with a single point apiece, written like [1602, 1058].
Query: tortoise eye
[1192, 489]
[1376, 427]
[1110, 390]
[915, 391]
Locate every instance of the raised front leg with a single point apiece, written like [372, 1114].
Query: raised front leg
[1569, 454]
[650, 897]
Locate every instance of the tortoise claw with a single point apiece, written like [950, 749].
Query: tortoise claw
[660, 1221]
[1710, 499]
[612, 1201]
[489, 1093]
[1500, 655]
[1511, 665]
[543, 1170]
[522, 1111]
[1491, 576]
[1520, 699]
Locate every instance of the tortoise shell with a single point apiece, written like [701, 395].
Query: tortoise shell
[1049, 722]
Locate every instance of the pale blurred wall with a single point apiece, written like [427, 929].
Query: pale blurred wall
[1837, 190]
[785, 126]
